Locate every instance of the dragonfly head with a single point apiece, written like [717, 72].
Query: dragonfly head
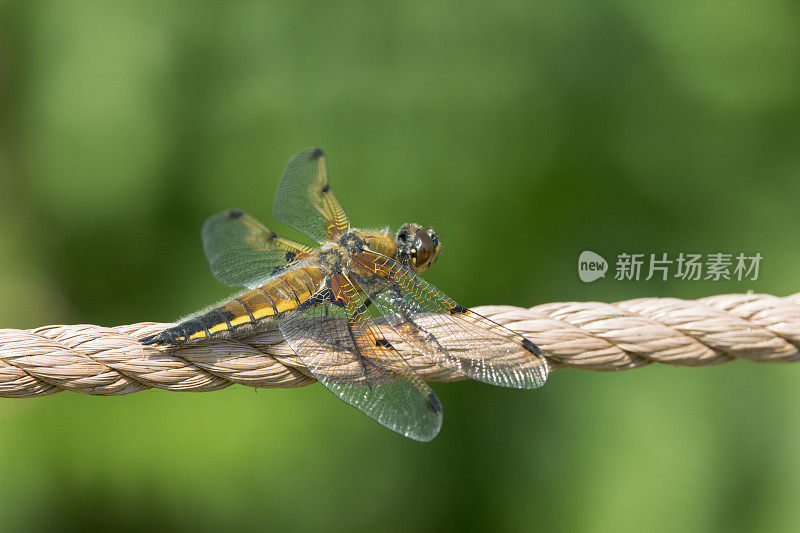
[417, 247]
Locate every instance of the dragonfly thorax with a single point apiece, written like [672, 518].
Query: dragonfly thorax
[336, 255]
[352, 242]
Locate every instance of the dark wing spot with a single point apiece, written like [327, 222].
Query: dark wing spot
[325, 295]
[434, 404]
[326, 187]
[528, 345]
[316, 153]
[271, 236]
[383, 343]
[290, 256]
[458, 310]
[234, 213]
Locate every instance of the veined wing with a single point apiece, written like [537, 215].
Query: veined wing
[304, 200]
[437, 327]
[242, 252]
[339, 344]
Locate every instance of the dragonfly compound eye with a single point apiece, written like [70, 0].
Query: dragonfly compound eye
[427, 248]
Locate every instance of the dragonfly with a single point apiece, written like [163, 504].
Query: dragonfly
[328, 301]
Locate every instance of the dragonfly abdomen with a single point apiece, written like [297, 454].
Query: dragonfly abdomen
[269, 301]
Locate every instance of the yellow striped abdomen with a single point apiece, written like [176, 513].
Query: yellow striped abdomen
[276, 297]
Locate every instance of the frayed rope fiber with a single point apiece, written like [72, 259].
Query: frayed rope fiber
[588, 335]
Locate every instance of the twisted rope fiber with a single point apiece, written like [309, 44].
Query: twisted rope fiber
[588, 335]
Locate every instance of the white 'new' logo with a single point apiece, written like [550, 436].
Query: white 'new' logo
[591, 266]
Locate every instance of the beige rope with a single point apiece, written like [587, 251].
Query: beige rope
[588, 335]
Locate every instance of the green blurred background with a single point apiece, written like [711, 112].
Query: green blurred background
[525, 132]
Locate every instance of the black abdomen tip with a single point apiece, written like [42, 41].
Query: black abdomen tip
[383, 343]
[150, 339]
[434, 403]
[528, 345]
[168, 336]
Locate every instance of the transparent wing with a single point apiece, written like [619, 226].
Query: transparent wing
[304, 200]
[437, 327]
[242, 252]
[343, 349]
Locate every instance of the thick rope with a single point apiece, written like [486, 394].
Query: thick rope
[590, 335]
